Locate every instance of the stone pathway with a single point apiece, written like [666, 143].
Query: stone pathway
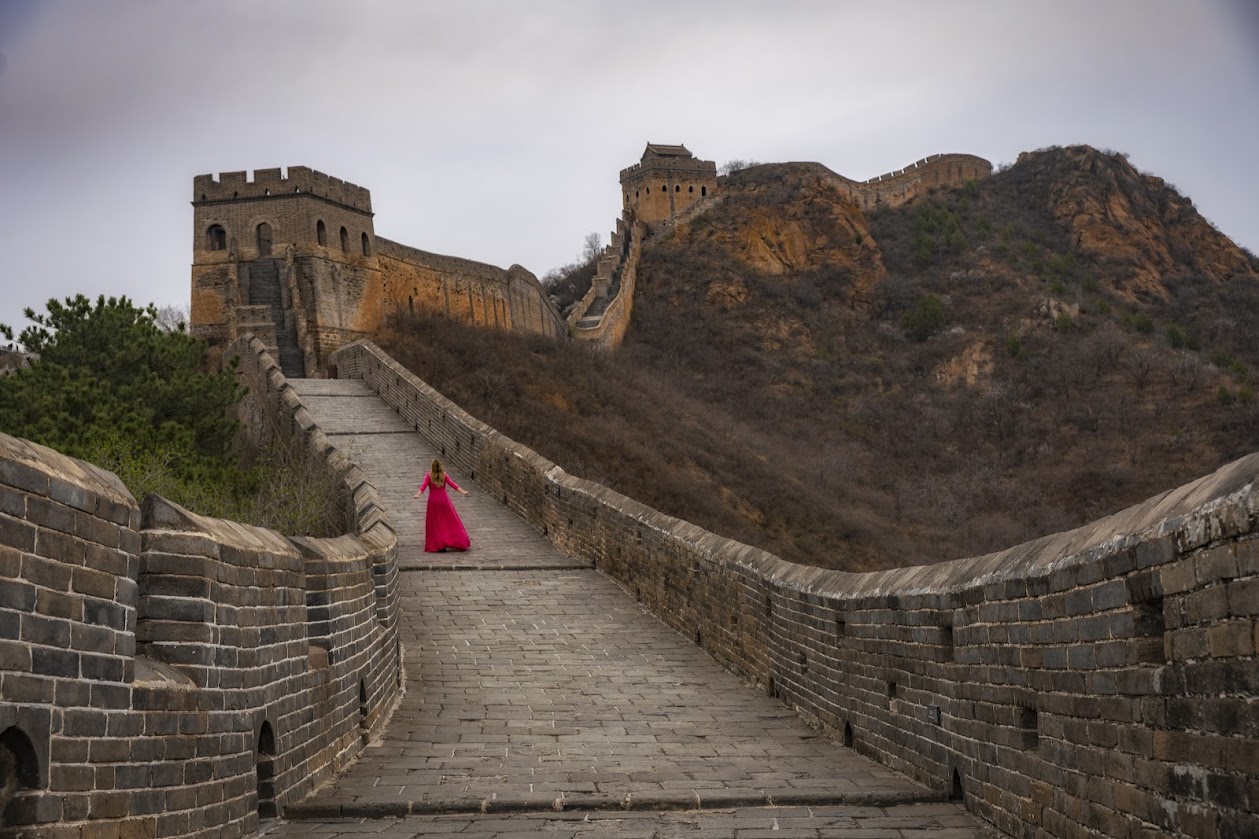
[541, 699]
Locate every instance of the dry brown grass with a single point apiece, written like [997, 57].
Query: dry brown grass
[819, 431]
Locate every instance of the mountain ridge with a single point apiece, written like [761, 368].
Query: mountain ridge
[858, 389]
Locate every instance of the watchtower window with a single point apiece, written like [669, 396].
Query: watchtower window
[367, 250]
[216, 238]
[678, 188]
[345, 240]
[703, 190]
[264, 239]
[690, 189]
[321, 233]
[664, 188]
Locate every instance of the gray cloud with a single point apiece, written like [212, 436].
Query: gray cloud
[495, 130]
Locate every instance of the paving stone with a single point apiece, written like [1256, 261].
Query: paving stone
[532, 679]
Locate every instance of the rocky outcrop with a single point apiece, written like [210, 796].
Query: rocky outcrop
[1121, 216]
[783, 219]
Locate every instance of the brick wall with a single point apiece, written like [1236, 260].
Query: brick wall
[903, 185]
[166, 674]
[1101, 681]
[659, 188]
[474, 292]
[620, 257]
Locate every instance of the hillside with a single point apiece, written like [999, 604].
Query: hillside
[942, 379]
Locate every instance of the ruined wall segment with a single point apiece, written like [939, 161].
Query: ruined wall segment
[1100, 681]
[165, 674]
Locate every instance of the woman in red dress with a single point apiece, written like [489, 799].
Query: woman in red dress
[442, 528]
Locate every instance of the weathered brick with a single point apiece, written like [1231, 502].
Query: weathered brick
[1231, 638]
[23, 477]
[1243, 597]
[16, 594]
[92, 582]
[1207, 604]
[47, 661]
[21, 687]
[48, 514]
[58, 605]
[16, 533]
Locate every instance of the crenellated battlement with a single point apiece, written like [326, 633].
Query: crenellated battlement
[666, 181]
[265, 183]
[969, 162]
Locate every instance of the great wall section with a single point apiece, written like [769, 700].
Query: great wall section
[293, 257]
[166, 674]
[171, 675]
[668, 186]
[163, 674]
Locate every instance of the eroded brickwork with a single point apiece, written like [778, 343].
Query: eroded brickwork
[1100, 681]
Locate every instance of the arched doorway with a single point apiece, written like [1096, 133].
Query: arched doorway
[266, 772]
[216, 238]
[19, 765]
[264, 239]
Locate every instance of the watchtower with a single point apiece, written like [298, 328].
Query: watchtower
[665, 182]
[287, 256]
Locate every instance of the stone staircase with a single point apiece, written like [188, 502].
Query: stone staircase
[267, 317]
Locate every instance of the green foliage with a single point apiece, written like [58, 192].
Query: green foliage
[1061, 265]
[1224, 361]
[113, 388]
[937, 233]
[1064, 323]
[1177, 338]
[107, 373]
[925, 319]
[1245, 395]
[284, 491]
[1225, 396]
[1015, 347]
[1140, 322]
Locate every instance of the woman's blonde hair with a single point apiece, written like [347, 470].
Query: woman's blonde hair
[436, 473]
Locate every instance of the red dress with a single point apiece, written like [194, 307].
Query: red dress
[442, 527]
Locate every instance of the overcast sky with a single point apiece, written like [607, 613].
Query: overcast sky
[495, 130]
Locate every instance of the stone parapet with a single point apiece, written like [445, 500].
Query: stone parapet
[618, 269]
[272, 183]
[473, 292]
[1098, 681]
[167, 674]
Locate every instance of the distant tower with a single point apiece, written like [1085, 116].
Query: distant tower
[291, 258]
[665, 182]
